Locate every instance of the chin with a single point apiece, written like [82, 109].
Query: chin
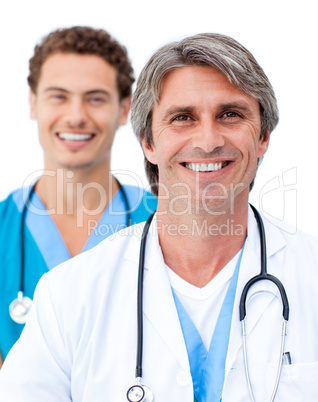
[80, 165]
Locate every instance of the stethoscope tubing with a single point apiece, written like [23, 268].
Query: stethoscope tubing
[242, 306]
[263, 275]
[25, 207]
[140, 297]
[126, 202]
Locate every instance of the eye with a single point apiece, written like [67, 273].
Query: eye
[230, 115]
[182, 118]
[58, 97]
[96, 100]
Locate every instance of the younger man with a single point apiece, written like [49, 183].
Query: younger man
[80, 88]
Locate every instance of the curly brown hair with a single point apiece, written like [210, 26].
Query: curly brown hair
[83, 40]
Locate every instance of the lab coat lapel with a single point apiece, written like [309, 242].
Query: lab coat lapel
[158, 305]
[250, 267]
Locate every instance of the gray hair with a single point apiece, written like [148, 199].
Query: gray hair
[209, 49]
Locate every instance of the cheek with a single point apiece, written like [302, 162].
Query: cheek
[249, 143]
[46, 116]
[105, 120]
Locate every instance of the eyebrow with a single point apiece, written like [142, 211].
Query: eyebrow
[91, 92]
[98, 91]
[238, 105]
[235, 105]
[55, 89]
[178, 109]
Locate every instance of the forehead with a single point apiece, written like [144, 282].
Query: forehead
[77, 72]
[200, 85]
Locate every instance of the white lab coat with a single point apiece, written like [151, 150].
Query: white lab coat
[80, 341]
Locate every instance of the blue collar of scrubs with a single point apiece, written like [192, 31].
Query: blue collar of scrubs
[208, 368]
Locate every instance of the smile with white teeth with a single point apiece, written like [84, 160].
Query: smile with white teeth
[75, 136]
[205, 167]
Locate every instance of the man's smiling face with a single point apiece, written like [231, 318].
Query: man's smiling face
[206, 137]
[78, 110]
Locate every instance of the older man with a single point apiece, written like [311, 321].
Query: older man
[203, 111]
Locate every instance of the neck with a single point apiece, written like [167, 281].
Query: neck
[76, 200]
[69, 192]
[197, 246]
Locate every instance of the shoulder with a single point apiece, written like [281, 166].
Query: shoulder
[286, 244]
[141, 203]
[295, 238]
[81, 287]
[102, 261]
[298, 250]
[303, 245]
[10, 198]
[10, 206]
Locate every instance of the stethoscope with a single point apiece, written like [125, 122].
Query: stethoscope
[141, 393]
[20, 307]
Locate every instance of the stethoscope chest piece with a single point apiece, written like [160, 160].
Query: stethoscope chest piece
[20, 308]
[139, 393]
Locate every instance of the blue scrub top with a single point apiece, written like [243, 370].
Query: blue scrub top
[208, 367]
[44, 247]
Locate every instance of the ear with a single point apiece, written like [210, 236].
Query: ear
[263, 144]
[124, 110]
[32, 99]
[149, 151]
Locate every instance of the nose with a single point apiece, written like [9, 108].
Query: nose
[208, 136]
[76, 115]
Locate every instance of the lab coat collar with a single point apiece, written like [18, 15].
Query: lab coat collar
[153, 250]
[274, 242]
[274, 239]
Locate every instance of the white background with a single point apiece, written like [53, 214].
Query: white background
[282, 35]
